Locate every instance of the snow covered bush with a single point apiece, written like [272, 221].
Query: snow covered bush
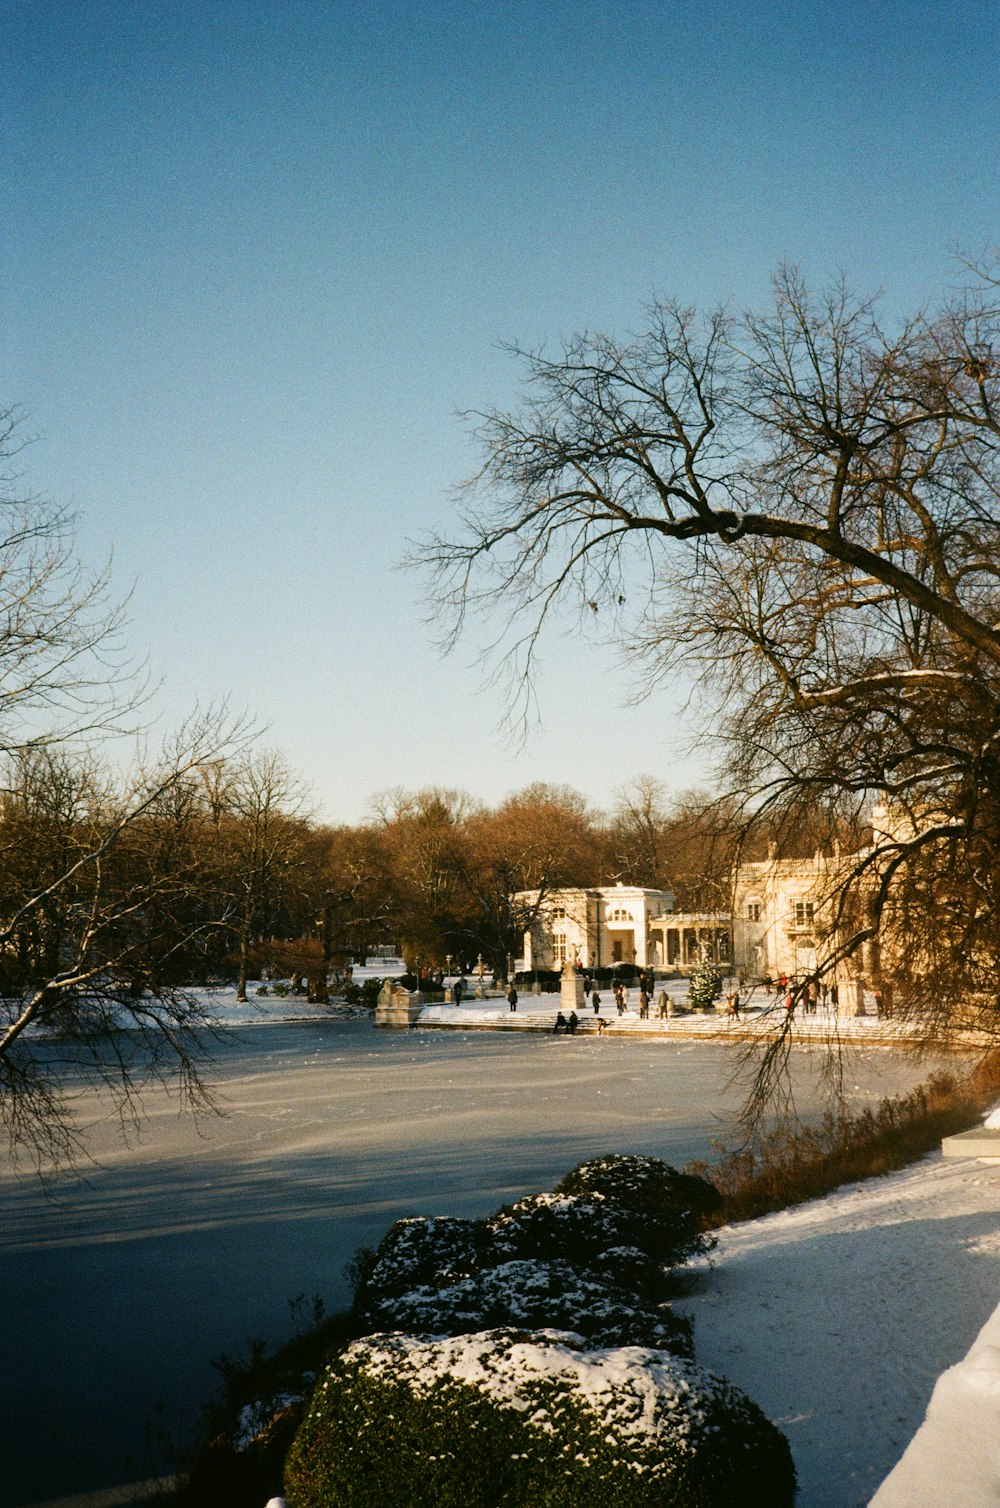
[419, 1252]
[536, 1295]
[593, 1258]
[609, 1202]
[682, 1204]
[529, 1420]
[579, 1227]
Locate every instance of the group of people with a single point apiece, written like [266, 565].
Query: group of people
[810, 996]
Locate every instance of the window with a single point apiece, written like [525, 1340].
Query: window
[803, 913]
[559, 947]
[753, 911]
[559, 913]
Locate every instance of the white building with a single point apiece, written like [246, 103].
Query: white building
[596, 928]
[781, 923]
[782, 920]
[611, 924]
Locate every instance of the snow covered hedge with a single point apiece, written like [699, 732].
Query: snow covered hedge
[536, 1295]
[532, 1358]
[602, 1243]
[528, 1419]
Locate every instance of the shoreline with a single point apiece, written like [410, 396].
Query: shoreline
[824, 1029]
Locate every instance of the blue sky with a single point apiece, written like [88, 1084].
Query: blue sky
[257, 256]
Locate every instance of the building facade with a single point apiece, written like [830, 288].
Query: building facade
[596, 927]
[781, 923]
[628, 924]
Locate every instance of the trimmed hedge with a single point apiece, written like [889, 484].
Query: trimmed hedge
[530, 1421]
[535, 1295]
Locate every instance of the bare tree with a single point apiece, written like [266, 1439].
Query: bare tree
[65, 670]
[100, 900]
[354, 898]
[264, 835]
[423, 836]
[102, 886]
[804, 506]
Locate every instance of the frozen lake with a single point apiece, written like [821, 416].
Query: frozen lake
[122, 1285]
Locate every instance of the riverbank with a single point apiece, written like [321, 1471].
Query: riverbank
[537, 1013]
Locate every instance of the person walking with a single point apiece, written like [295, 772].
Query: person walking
[595, 1001]
[459, 986]
[643, 1004]
[665, 1008]
[512, 996]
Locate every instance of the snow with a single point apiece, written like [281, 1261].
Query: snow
[538, 1012]
[959, 1441]
[633, 1390]
[839, 1316]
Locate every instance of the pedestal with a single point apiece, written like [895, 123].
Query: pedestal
[397, 1007]
[571, 990]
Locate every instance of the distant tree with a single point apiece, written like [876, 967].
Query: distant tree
[264, 838]
[638, 830]
[422, 837]
[352, 895]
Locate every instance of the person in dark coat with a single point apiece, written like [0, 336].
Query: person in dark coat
[459, 986]
[573, 1022]
[561, 1024]
[512, 997]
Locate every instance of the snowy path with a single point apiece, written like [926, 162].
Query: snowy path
[839, 1316]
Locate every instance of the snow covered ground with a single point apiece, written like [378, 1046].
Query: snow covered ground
[538, 1012]
[956, 1451]
[838, 1318]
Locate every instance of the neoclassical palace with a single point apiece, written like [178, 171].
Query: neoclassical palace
[777, 925]
[622, 924]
